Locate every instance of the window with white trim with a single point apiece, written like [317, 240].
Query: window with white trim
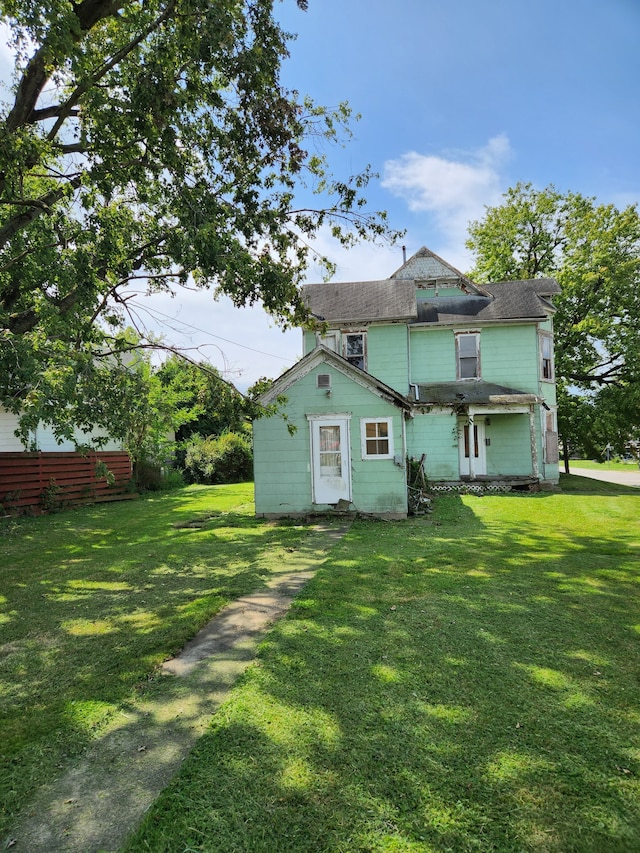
[330, 340]
[546, 357]
[376, 435]
[468, 355]
[354, 348]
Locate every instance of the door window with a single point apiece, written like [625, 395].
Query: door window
[329, 454]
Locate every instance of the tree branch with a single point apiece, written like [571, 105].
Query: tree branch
[97, 75]
[36, 207]
[38, 70]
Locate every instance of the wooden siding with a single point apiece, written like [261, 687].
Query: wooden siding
[436, 436]
[43, 437]
[43, 481]
[509, 356]
[282, 462]
[387, 355]
[432, 355]
[509, 451]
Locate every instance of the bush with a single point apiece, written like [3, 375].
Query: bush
[151, 477]
[227, 458]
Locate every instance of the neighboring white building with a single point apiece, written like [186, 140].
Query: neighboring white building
[43, 438]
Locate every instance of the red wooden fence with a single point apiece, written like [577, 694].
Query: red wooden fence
[39, 482]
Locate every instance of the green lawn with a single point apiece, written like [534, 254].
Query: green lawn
[463, 683]
[468, 681]
[590, 465]
[91, 600]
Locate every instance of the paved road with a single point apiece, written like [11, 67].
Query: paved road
[622, 478]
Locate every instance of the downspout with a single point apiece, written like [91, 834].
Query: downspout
[409, 368]
[404, 457]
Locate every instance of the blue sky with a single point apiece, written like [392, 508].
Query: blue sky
[460, 99]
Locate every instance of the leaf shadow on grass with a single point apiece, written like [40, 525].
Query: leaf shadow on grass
[94, 599]
[469, 684]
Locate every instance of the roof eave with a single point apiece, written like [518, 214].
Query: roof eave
[322, 354]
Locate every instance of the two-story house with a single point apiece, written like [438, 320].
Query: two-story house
[424, 365]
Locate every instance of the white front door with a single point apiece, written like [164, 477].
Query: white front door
[330, 460]
[471, 445]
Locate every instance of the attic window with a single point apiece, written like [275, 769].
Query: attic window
[323, 380]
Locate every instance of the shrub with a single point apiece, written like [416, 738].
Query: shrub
[227, 458]
[151, 477]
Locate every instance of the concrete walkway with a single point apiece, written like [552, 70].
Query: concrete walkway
[621, 478]
[96, 805]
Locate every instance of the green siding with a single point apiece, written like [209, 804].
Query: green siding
[509, 453]
[433, 355]
[308, 341]
[509, 356]
[435, 435]
[387, 355]
[424, 295]
[282, 462]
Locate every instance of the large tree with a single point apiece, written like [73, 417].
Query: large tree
[593, 250]
[148, 145]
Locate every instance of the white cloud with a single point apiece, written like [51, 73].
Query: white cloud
[453, 189]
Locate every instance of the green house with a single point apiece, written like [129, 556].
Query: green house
[424, 365]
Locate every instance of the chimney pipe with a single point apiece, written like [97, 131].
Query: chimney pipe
[404, 254]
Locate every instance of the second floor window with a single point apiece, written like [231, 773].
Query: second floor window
[546, 357]
[354, 349]
[468, 355]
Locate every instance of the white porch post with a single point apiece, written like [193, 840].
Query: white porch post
[472, 446]
[534, 443]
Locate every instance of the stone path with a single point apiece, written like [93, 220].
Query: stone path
[95, 805]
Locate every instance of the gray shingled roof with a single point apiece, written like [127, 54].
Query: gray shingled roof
[474, 392]
[390, 299]
[361, 301]
[512, 300]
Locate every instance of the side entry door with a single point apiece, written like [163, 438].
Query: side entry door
[330, 460]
